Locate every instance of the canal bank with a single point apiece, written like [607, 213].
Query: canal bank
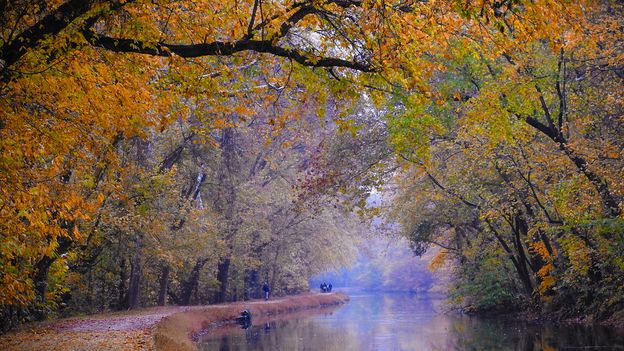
[149, 329]
[181, 331]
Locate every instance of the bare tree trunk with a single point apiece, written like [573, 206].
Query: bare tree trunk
[226, 205]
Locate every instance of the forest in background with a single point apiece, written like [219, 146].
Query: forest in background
[387, 265]
[184, 152]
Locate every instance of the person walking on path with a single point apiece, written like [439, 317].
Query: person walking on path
[266, 290]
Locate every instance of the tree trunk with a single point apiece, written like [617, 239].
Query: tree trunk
[600, 184]
[223, 270]
[609, 201]
[121, 298]
[134, 288]
[40, 282]
[41, 270]
[164, 285]
[518, 263]
[191, 283]
[523, 261]
[251, 284]
[226, 203]
[135, 283]
[275, 266]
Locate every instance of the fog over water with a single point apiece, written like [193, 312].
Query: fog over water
[387, 265]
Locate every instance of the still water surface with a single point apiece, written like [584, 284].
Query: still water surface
[403, 322]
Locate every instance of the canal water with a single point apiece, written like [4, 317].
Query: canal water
[403, 322]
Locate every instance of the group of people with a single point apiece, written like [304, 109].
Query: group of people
[326, 287]
[266, 290]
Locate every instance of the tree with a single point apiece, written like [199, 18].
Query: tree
[508, 139]
[70, 97]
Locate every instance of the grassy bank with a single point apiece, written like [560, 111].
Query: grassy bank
[173, 332]
[150, 329]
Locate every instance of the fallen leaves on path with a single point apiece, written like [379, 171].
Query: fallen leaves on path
[113, 331]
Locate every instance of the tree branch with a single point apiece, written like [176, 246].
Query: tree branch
[561, 90]
[49, 25]
[253, 18]
[218, 48]
[535, 123]
[450, 192]
[546, 110]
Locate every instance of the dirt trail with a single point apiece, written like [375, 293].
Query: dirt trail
[122, 331]
[143, 319]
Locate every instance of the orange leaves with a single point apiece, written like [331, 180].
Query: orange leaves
[547, 280]
[243, 111]
[545, 273]
[539, 248]
[439, 260]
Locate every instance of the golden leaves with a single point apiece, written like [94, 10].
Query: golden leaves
[439, 260]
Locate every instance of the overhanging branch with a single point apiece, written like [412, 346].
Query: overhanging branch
[218, 48]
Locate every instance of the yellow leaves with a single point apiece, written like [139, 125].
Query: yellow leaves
[577, 252]
[346, 126]
[439, 260]
[14, 290]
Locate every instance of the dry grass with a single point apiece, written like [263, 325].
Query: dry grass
[158, 328]
[174, 332]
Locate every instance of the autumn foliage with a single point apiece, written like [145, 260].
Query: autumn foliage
[513, 158]
[182, 152]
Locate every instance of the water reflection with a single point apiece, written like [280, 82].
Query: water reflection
[404, 322]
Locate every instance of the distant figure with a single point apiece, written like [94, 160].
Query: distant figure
[323, 287]
[329, 287]
[266, 290]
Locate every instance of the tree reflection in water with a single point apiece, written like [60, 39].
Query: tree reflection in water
[404, 322]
